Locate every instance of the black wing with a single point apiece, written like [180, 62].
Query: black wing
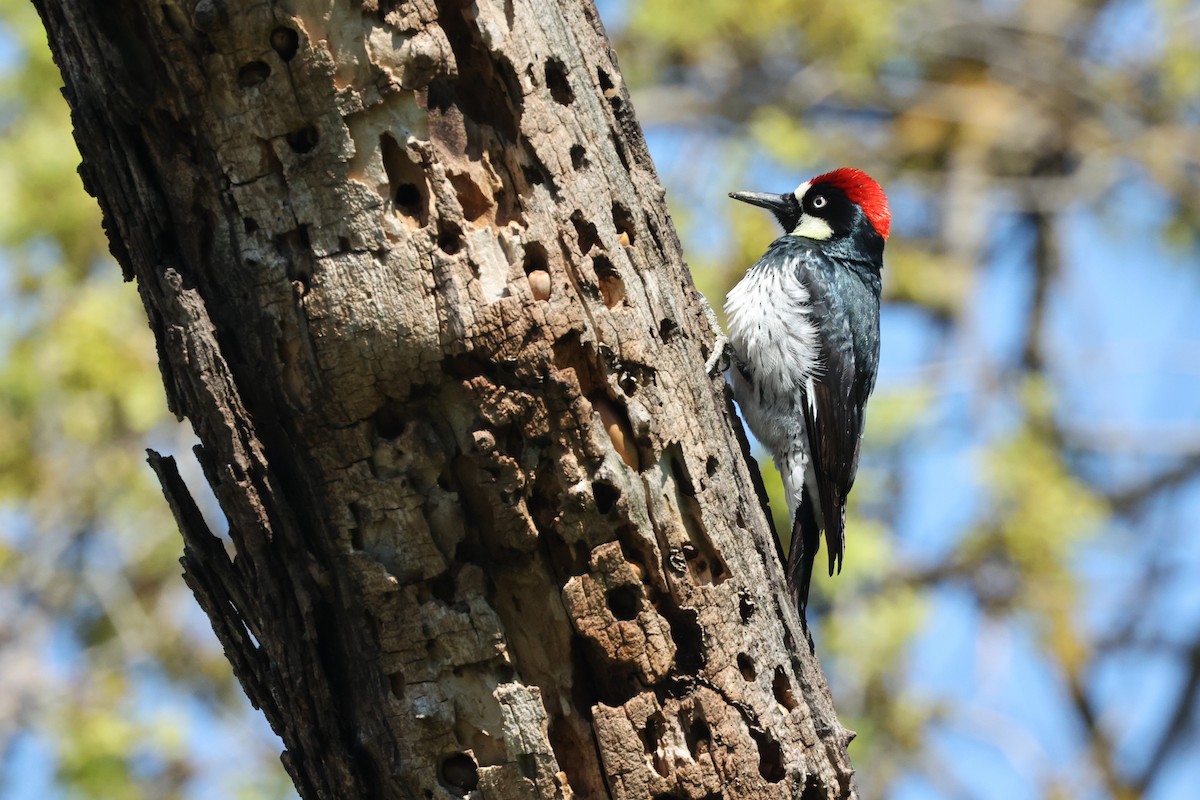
[845, 310]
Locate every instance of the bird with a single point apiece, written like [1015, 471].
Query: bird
[803, 351]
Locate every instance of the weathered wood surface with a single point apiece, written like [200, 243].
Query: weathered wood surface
[414, 283]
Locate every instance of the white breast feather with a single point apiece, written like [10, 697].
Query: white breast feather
[770, 328]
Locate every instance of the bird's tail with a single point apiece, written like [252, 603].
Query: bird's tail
[806, 541]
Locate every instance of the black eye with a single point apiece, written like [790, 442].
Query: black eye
[819, 201]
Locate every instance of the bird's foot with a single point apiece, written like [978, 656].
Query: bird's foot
[718, 362]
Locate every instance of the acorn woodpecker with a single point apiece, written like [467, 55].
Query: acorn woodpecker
[804, 334]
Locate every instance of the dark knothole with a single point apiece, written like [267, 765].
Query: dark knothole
[746, 666]
[475, 204]
[536, 258]
[697, 735]
[624, 601]
[533, 175]
[459, 773]
[396, 684]
[556, 81]
[666, 330]
[389, 422]
[770, 756]
[578, 157]
[782, 689]
[450, 237]
[285, 42]
[406, 181]
[814, 789]
[585, 232]
[407, 194]
[303, 140]
[252, 74]
[606, 496]
[623, 221]
[612, 288]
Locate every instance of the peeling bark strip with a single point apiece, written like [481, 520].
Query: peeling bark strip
[414, 283]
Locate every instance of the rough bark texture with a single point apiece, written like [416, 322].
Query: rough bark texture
[415, 285]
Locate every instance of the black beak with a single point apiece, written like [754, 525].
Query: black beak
[785, 207]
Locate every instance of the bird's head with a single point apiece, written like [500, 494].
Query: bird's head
[844, 203]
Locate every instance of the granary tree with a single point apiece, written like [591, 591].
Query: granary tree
[413, 282]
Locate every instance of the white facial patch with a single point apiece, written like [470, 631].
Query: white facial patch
[810, 227]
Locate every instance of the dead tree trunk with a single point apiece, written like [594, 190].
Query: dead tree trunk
[414, 283]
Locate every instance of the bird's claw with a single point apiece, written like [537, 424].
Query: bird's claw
[718, 362]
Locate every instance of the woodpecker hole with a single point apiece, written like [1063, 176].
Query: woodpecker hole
[535, 258]
[536, 267]
[475, 204]
[556, 81]
[612, 288]
[606, 496]
[459, 773]
[666, 330]
[285, 42]
[688, 636]
[619, 146]
[606, 84]
[304, 139]
[710, 466]
[770, 756]
[389, 423]
[406, 180]
[249, 225]
[450, 237]
[252, 74]
[696, 734]
[578, 157]
[623, 220]
[585, 232]
[814, 789]
[782, 687]
[624, 602]
[651, 735]
[746, 666]
[407, 194]
[533, 175]
[396, 684]
[616, 424]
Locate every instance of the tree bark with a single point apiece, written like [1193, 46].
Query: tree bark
[414, 283]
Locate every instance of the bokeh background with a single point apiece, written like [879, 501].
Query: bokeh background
[1019, 616]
